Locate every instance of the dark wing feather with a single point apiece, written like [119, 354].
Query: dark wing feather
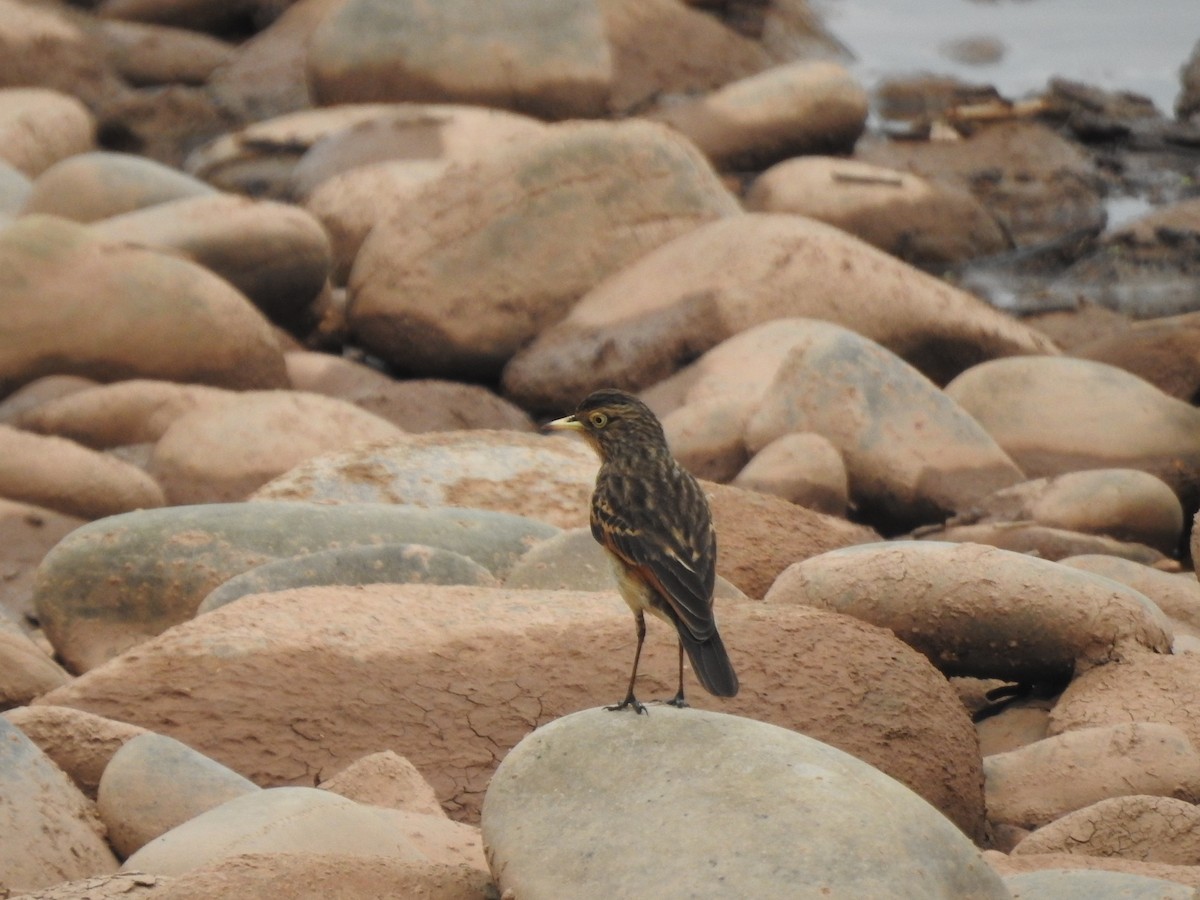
[664, 532]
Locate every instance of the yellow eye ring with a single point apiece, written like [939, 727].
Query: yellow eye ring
[598, 419]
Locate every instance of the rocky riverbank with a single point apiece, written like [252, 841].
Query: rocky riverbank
[296, 598]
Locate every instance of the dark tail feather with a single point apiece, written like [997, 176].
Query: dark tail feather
[711, 664]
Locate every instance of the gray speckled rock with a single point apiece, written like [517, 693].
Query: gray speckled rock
[154, 783]
[382, 564]
[604, 805]
[37, 800]
[115, 582]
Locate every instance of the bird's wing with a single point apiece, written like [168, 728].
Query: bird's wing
[673, 549]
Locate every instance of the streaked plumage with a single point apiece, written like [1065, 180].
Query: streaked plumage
[653, 519]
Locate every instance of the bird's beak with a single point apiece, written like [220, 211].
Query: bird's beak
[566, 423]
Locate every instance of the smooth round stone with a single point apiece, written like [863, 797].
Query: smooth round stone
[600, 804]
[281, 820]
[154, 783]
[38, 127]
[384, 564]
[92, 186]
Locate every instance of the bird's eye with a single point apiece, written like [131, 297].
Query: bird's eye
[598, 419]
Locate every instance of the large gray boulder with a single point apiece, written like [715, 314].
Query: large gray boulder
[687, 803]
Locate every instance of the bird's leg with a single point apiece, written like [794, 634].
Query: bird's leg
[678, 701]
[631, 700]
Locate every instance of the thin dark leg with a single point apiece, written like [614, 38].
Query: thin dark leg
[678, 700]
[631, 700]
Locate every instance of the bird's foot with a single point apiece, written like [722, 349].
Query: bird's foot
[677, 701]
[638, 706]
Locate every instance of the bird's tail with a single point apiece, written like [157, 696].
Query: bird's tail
[711, 664]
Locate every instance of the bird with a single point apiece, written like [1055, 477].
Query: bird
[654, 521]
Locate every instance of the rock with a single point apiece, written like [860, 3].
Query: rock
[1076, 868]
[14, 191]
[62, 476]
[702, 55]
[25, 671]
[1163, 351]
[803, 468]
[27, 533]
[260, 158]
[438, 839]
[1038, 185]
[382, 564]
[427, 135]
[1018, 723]
[174, 557]
[284, 819]
[646, 321]
[78, 742]
[41, 47]
[1177, 595]
[59, 281]
[36, 800]
[223, 452]
[1043, 621]
[276, 254]
[759, 536]
[356, 177]
[1041, 541]
[266, 77]
[789, 110]
[458, 279]
[154, 783]
[920, 221]
[546, 478]
[385, 779]
[151, 55]
[162, 123]
[1094, 885]
[136, 411]
[92, 186]
[37, 392]
[417, 406]
[1039, 783]
[1126, 504]
[1149, 828]
[39, 127]
[1056, 415]
[584, 807]
[1144, 268]
[911, 453]
[458, 675]
[551, 62]
[1141, 688]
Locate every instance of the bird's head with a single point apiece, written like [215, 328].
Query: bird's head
[614, 423]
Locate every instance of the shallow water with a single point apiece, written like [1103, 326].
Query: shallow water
[1115, 44]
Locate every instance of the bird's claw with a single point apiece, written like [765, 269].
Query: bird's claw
[677, 701]
[638, 706]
